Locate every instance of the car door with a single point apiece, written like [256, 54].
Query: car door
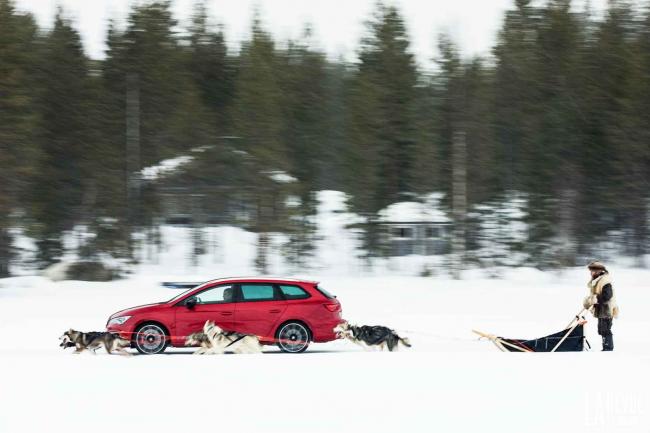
[215, 303]
[258, 309]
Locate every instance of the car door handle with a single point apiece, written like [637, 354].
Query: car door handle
[226, 313]
[274, 311]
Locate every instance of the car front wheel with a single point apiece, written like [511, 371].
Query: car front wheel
[150, 339]
[293, 337]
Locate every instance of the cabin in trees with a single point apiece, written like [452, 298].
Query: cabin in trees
[220, 184]
[414, 228]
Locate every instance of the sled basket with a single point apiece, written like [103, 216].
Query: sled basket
[574, 342]
[571, 339]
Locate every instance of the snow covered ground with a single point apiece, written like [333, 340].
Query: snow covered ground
[448, 382]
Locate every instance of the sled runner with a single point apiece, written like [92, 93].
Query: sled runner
[571, 339]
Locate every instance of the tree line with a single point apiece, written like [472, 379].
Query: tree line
[558, 113]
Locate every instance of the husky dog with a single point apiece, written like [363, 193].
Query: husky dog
[214, 340]
[65, 342]
[201, 340]
[92, 341]
[371, 336]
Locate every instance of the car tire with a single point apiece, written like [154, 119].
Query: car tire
[293, 331]
[150, 339]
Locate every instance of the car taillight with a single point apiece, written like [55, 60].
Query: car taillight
[332, 307]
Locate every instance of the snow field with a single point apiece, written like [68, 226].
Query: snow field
[449, 381]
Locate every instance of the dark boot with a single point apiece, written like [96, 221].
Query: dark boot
[608, 343]
[605, 331]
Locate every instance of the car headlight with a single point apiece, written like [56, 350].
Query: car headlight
[118, 320]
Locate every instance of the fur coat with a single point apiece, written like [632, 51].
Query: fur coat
[601, 300]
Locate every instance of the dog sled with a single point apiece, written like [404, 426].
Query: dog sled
[570, 339]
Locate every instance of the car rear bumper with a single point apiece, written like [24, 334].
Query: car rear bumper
[325, 331]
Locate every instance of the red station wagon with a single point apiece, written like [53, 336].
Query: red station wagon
[288, 312]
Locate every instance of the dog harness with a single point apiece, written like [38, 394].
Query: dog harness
[227, 335]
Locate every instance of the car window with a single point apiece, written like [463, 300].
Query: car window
[257, 292]
[294, 292]
[214, 295]
[325, 292]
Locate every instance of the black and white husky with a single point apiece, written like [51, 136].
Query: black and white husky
[371, 336]
[214, 340]
[201, 340]
[91, 341]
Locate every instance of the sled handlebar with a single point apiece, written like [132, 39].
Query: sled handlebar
[576, 317]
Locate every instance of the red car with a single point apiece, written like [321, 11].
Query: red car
[288, 312]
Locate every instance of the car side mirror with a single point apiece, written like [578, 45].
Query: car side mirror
[190, 303]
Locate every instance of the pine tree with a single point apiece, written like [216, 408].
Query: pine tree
[258, 111]
[637, 154]
[259, 121]
[383, 129]
[58, 185]
[449, 91]
[556, 136]
[523, 64]
[609, 70]
[334, 109]
[212, 69]
[482, 163]
[516, 93]
[304, 84]
[627, 127]
[150, 92]
[17, 37]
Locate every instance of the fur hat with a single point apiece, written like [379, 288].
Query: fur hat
[596, 265]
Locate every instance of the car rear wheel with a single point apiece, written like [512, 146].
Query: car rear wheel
[150, 339]
[293, 337]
